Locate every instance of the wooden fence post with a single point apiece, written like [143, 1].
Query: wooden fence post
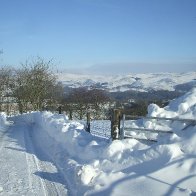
[115, 124]
[88, 122]
[122, 134]
[60, 109]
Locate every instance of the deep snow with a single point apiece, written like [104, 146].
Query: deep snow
[83, 164]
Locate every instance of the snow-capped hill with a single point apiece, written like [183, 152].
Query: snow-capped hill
[139, 82]
[89, 82]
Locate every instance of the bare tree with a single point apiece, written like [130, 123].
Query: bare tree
[21, 89]
[98, 100]
[80, 100]
[36, 85]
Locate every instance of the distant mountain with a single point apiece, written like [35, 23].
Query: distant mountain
[137, 82]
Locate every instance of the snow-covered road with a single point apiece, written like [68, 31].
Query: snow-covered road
[24, 168]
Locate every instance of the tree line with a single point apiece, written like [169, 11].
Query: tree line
[82, 100]
[34, 87]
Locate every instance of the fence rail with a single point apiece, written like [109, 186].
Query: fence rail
[120, 131]
[161, 118]
[149, 130]
[140, 139]
[119, 120]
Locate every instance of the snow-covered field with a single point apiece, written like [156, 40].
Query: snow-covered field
[138, 82]
[47, 154]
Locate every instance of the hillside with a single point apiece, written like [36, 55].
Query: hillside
[138, 82]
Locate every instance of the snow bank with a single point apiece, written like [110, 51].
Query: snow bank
[183, 107]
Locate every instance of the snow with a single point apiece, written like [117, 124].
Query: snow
[45, 153]
[138, 82]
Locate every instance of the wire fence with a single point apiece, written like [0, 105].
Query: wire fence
[101, 128]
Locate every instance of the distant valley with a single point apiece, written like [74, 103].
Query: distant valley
[134, 82]
[148, 87]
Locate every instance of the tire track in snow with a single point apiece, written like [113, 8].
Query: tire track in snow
[32, 164]
[49, 166]
[49, 188]
[52, 155]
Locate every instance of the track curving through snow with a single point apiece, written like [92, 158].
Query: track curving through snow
[24, 167]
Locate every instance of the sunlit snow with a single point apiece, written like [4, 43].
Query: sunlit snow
[45, 153]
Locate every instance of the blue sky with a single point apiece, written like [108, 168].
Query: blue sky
[78, 34]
